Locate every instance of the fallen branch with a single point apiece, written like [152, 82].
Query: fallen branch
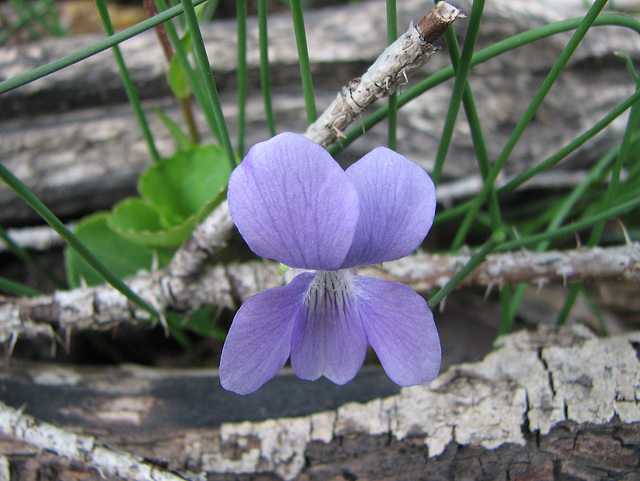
[424, 271]
[102, 307]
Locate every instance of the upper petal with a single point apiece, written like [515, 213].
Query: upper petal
[259, 340]
[329, 339]
[400, 328]
[397, 207]
[293, 203]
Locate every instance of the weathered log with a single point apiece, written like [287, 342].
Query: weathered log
[72, 140]
[543, 405]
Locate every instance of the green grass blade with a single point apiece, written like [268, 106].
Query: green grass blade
[265, 76]
[303, 58]
[462, 72]
[479, 144]
[17, 289]
[571, 229]
[392, 34]
[490, 245]
[90, 50]
[241, 14]
[207, 77]
[49, 217]
[134, 100]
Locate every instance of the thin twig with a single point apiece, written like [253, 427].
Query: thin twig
[391, 69]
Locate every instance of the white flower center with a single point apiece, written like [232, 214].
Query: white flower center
[330, 289]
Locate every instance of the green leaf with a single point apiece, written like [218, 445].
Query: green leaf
[137, 221]
[181, 186]
[176, 75]
[282, 268]
[177, 79]
[177, 194]
[121, 256]
[203, 322]
[182, 139]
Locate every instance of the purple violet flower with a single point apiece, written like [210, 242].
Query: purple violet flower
[293, 203]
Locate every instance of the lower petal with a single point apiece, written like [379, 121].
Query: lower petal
[329, 339]
[259, 340]
[400, 328]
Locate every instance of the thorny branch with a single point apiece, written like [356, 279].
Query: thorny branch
[102, 307]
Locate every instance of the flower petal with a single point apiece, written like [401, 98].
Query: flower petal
[329, 339]
[259, 341]
[293, 203]
[400, 328]
[397, 206]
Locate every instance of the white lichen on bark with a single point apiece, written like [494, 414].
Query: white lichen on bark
[530, 381]
[85, 449]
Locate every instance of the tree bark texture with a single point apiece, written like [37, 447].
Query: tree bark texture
[544, 405]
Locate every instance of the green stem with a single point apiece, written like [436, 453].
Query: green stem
[241, 14]
[303, 58]
[207, 77]
[265, 77]
[196, 87]
[134, 100]
[49, 217]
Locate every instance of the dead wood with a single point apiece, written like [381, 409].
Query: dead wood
[543, 405]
